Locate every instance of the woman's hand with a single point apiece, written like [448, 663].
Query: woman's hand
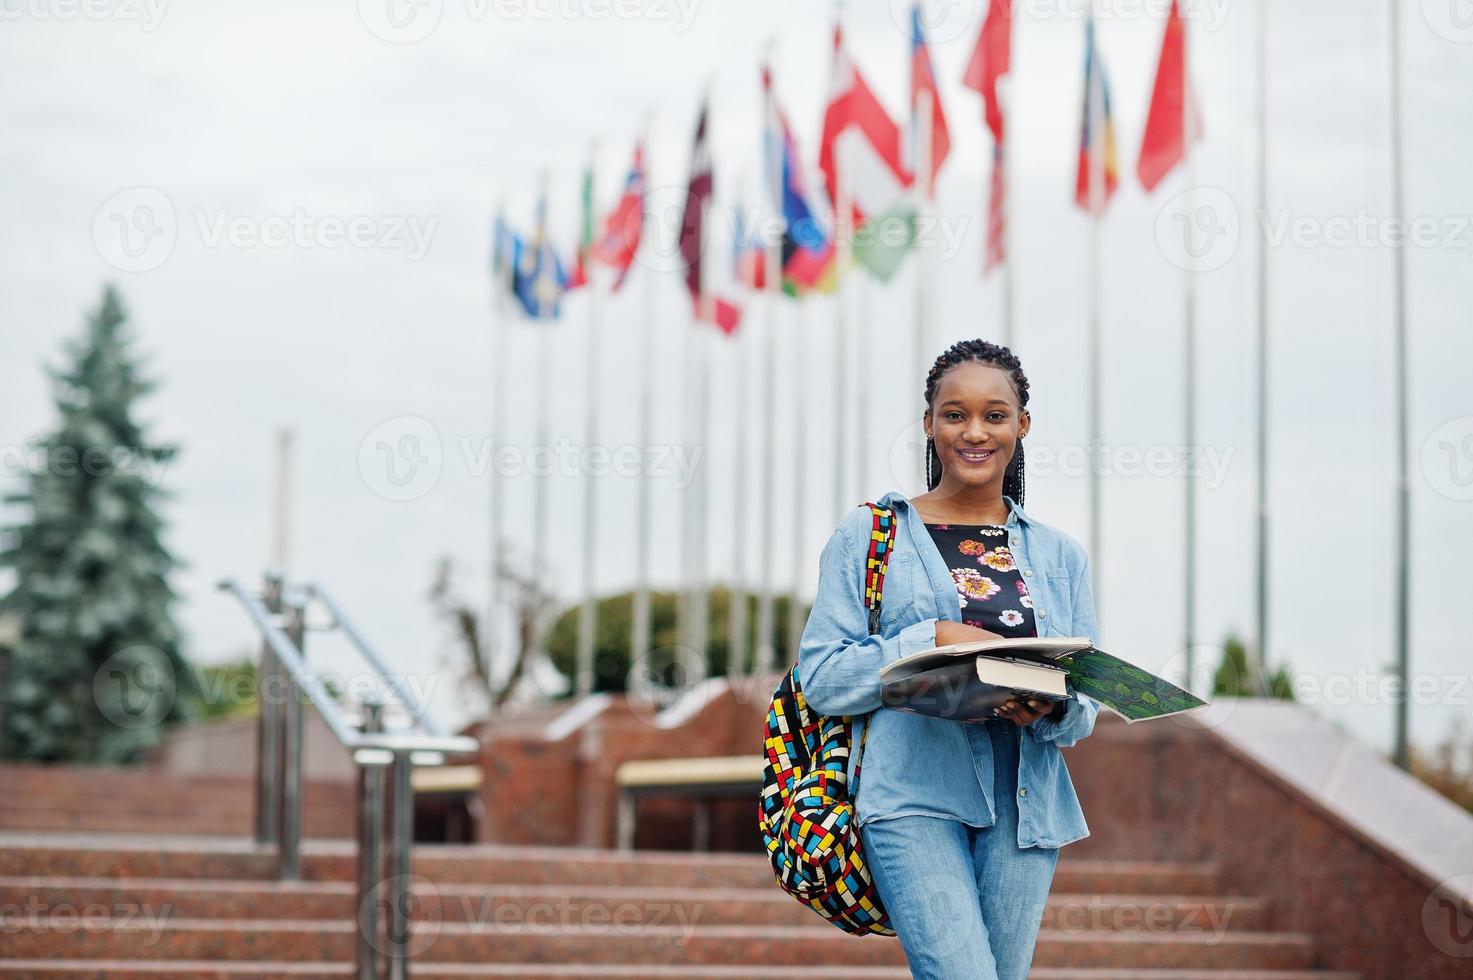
[1027, 712]
[949, 631]
[1020, 713]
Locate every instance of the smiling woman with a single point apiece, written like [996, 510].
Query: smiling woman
[961, 822]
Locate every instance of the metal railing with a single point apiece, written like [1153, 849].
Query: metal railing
[279, 613]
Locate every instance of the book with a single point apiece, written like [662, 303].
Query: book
[965, 681]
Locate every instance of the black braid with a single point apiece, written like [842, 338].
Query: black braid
[998, 356]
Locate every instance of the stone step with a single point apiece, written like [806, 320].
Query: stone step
[318, 820]
[169, 938]
[140, 857]
[492, 903]
[181, 970]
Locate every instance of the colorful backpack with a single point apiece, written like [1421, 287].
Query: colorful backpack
[806, 812]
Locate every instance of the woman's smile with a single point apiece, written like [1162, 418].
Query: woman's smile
[974, 455]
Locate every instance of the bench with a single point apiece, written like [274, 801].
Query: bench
[701, 778]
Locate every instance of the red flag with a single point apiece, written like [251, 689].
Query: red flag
[878, 174]
[923, 79]
[624, 224]
[1165, 141]
[991, 59]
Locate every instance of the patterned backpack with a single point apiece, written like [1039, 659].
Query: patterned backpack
[807, 812]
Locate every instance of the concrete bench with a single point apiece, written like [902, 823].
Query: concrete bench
[702, 779]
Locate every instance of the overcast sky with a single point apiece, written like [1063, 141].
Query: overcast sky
[222, 125]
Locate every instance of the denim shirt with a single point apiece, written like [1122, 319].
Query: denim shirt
[913, 764]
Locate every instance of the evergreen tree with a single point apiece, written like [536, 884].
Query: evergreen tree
[96, 669]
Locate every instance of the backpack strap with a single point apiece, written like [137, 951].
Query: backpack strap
[881, 540]
[876, 563]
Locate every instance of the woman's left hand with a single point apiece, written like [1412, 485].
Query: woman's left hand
[1024, 712]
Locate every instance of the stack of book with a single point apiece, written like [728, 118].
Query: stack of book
[966, 681]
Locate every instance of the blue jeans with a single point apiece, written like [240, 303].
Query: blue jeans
[966, 902]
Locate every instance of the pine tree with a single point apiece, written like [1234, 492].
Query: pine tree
[97, 669]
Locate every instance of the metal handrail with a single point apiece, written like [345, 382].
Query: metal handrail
[333, 715]
[341, 620]
[374, 751]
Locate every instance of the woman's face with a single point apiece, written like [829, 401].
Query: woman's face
[976, 423]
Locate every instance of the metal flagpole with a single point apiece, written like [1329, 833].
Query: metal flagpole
[588, 615]
[1257, 662]
[736, 617]
[1399, 379]
[640, 634]
[490, 639]
[1189, 380]
[863, 345]
[1005, 207]
[843, 235]
[922, 267]
[1096, 208]
[700, 337]
[800, 485]
[766, 651]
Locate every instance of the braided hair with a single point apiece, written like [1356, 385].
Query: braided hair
[997, 356]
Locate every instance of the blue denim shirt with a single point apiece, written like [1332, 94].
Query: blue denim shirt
[914, 764]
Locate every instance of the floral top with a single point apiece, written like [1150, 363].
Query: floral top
[991, 590]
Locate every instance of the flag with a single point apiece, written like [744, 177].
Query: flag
[1164, 144]
[748, 256]
[503, 245]
[807, 250]
[697, 192]
[923, 79]
[1097, 128]
[991, 59]
[861, 136]
[698, 196]
[625, 224]
[538, 279]
[579, 273]
[859, 132]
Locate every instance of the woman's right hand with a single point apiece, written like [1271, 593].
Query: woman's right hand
[949, 631]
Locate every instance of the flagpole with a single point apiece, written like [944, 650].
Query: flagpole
[588, 615]
[766, 651]
[843, 234]
[1401, 748]
[1189, 377]
[736, 616]
[490, 641]
[800, 488]
[1096, 208]
[924, 191]
[640, 634]
[544, 381]
[1257, 663]
[700, 617]
[1005, 206]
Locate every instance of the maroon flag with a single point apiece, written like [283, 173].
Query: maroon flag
[697, 194]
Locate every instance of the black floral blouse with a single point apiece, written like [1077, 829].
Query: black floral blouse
[991, 590]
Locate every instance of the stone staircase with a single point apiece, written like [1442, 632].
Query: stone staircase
[100, 798]
[129, 907]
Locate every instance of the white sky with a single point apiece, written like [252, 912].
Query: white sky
[245, 114]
